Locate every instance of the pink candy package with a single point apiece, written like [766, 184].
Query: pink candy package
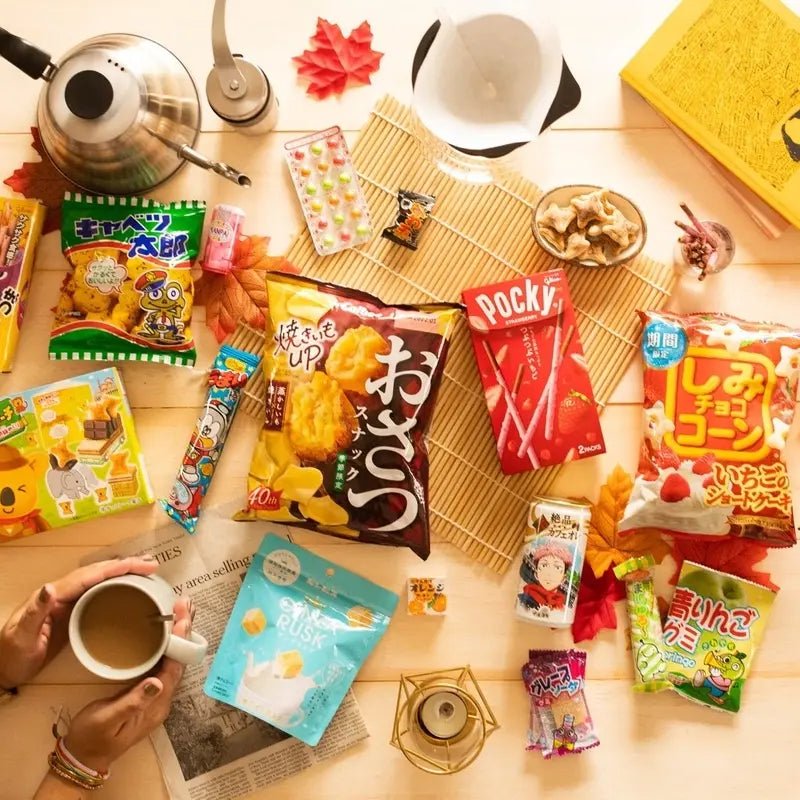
[560, 723]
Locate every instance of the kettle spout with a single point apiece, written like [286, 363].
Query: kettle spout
[191, 155]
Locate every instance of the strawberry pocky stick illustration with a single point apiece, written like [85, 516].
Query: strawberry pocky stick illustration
[506, 424]
[555, 364]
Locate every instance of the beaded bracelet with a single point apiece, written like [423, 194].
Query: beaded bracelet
[66, 766]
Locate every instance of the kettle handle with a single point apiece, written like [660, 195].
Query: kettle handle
[30, 59]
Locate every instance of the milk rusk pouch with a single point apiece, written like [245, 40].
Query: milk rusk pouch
[299, 632]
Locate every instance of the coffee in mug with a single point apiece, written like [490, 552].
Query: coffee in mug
[120, 627]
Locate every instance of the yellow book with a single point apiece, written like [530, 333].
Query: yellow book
[727, 73]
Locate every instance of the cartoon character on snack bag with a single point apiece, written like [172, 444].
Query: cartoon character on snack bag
[547, 564]
[185, 494]
[210, 429]
[723, 670]
[19, 493]
[163, 303]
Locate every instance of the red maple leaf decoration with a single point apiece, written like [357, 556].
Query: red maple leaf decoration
[596, 599]
[241, 294]
[41, 180]
[734, 556]
[337, 60]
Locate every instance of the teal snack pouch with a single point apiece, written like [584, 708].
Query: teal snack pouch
[299, 632]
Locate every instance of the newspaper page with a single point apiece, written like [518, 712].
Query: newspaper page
[209, 750]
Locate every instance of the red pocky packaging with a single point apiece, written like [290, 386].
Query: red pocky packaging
[535, 378]
[719, 398]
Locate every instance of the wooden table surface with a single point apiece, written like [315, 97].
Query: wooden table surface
[652, 746]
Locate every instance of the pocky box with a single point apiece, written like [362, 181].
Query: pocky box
[534, 374]
[68, 453]
[714, 626]
[299, 632]
[20, 228]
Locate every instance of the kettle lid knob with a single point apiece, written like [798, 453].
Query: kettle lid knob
[88, 94]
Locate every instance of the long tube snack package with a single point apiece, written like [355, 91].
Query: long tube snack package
[647, 638]
[229, 374]
[351, 386]
[21, 224]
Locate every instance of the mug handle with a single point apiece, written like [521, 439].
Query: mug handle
[187, 651]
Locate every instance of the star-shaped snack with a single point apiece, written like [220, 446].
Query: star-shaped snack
[617, 229]
[558, 240]
[591, 207]
[777, 439]
[596, 253]
[730, 336]
[577, 246]
[657, 423]
[789, 364]
[557, 217]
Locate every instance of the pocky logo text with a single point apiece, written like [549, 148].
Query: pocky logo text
[525, 300]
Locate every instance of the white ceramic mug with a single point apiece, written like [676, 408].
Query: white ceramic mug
[187, 651]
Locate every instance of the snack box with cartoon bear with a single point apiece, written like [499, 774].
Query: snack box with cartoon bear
[68, 453]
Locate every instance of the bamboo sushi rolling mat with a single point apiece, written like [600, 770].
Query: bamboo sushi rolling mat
[477, 235]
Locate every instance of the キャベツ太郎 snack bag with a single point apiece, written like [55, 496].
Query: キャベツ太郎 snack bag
[129, 292]
[351, 385]
[719, 398]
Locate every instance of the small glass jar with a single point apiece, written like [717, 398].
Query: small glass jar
[722, 242]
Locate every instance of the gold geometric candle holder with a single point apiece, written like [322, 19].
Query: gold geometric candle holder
[442, 720]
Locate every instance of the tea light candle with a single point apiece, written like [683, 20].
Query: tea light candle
[443, 715]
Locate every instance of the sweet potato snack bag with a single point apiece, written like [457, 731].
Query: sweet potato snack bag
[351, 385]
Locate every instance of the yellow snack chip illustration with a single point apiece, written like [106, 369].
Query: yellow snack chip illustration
[288, 664]
[299, 483]
[309, 304]
[325, 511]
[254, 621]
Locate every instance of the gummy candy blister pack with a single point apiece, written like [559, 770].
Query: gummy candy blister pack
[327, 185]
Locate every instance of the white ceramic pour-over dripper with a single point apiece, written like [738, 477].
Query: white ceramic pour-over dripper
[490, 75]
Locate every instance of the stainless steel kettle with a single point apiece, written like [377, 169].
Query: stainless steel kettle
[119, 115]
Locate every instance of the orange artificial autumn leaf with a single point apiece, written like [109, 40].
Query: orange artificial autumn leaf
[241, 294]
[606, 546]
[41, 180]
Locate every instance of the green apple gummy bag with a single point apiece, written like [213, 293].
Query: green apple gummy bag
[714, 626]
[299, 632]
[128, 295]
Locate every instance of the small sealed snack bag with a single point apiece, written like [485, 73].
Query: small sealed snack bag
[351, 386]
[20, 228]
[128, 295]
[647, 638]
[427, 597]
[560, 720]
[413, 211]
[68, 453]
[297, 636]
[719, 398]
[714, 626]
[229, 375]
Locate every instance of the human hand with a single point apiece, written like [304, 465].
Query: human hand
[37, 629]
[105, 729]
